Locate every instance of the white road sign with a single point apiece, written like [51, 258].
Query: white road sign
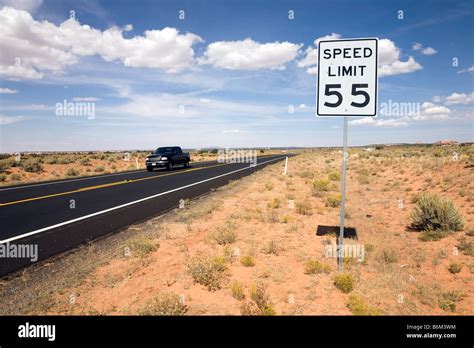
[347, 77]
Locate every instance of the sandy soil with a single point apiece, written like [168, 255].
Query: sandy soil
[274, 219]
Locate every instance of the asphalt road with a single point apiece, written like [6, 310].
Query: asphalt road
[59, 215]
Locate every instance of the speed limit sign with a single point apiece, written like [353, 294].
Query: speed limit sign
[347, 77]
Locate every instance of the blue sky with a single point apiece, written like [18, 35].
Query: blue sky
[231, 73]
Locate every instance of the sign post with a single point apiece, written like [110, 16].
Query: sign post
[347, 86]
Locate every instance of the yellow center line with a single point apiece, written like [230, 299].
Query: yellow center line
[95, 187]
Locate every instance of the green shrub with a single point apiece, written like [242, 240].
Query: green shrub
[358, 307]
[72, 172]
[3, 177]
[344, 282]
[85, 162]
[7, 164]
[389, 256]
[447, 300]
[455, 268]
[363, 179]
[247, 261]
[209, 272]
[271, 248]
[274, 204]
[141, 247]
[164, 304]
[303, 208]
[261, 303]
[320, 186]
[437, 214]
[335, 176]
[465, 246]
[99, 169]
[237, 290]
[315, 267]
[32, 165]
[15, 177]
[225, 235]
[333, 201]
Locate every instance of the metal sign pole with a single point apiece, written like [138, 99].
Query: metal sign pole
[343, 194]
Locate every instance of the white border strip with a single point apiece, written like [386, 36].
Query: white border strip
[125, 205]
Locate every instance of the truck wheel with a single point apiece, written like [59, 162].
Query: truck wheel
[186, 164]
[150, 169]
[169, 166]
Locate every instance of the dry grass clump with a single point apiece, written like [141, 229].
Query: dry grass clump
[209, 271]
[435, 215]
[260, 303]
[344, 282]
[141, 246]
[164, 304]
[316, 267]
[358, 307]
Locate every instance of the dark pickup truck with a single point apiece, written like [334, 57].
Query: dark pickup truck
[167, 157]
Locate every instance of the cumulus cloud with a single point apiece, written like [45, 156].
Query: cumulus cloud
[460, 98]
[455, 98]
[333, 36]
[416, 46]
[427, 112]
[468, 70]
[30, 47]
[389, 58]
[429, 51]
[8, 91]
[250, 55]
[424, 50]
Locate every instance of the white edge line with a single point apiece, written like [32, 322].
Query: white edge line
[124, 205]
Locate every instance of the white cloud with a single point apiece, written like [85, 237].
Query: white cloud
[424, 50]
[460, 98]
[85, 99]
[333, 36]
[389, 58]
[429, 51]
[302, 106]
[416, 46]
[250, 55]
[4, 120]
[378, 122]
[399, 67]
[310, 59]
[469, 70]
[8, 91]
[428, 112]
[164, 105]
[30, 47]
[312, 71]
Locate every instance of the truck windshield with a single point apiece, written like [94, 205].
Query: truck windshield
[165, 150]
